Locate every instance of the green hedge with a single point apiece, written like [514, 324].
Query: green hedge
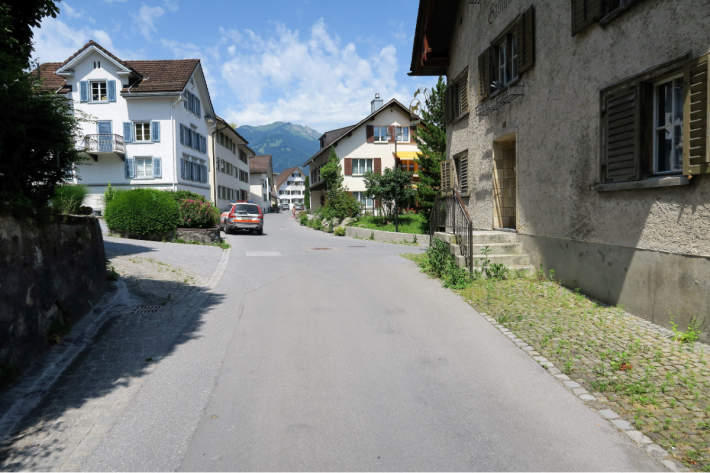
[142, 212]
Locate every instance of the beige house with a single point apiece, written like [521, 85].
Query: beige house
[583, 126]
[229, 168]
[261, 176]
[366, 146]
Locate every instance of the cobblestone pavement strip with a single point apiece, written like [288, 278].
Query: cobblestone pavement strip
[163, 303]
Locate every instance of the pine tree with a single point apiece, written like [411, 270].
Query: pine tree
[431, 141]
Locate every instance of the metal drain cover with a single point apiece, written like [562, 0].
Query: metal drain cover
[146, 309]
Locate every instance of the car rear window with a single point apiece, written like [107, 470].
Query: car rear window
[246, 208]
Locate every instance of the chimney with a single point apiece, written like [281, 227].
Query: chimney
[376, 104]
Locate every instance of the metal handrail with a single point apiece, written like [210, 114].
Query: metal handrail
[450, 212]
[102, 143]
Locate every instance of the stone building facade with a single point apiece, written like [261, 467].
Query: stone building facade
[583, 126]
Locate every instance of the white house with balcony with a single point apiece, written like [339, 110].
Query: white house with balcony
[291, 186]
[367, 146]
[147, 121]
[229, 170]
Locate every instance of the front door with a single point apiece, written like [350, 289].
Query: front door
[505, 183]
[105, 137]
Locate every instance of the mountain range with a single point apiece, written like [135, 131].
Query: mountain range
[289, 144]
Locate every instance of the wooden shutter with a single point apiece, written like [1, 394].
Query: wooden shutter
[111, 90]
[198, 108]
[445, 167]
[84, 91]
[377, 165]
[526, 40]
[696, 153]
[412, 134]
[484, 75]
[130, 168]
[449, 103]
[157, 167]
[155, 132]
[622, 135]
[463, 91]
[584, 14]
[127, 132]
[348, 167]
[463, 172]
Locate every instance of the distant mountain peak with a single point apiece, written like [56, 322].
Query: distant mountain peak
[289, 144]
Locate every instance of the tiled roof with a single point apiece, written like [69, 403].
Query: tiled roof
[281, 178]
[333, 135]
[98, 46]
[162, 76]
[260, 164]
[50, 81]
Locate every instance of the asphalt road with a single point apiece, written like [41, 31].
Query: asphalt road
[348, 358]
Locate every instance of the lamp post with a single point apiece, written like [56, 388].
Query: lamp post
[393, 134]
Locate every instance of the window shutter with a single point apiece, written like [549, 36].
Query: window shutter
[348, 167]
[204, 144]
[111, 89]
[377, 165]
[585, 13]
[127, 132]
[204, 173]
[449, 104]
[198, 110]
[193, 139]
[412, 134]
[484, 75]
[187, 100]
[130, 168]
[84, 91]
[157, 167]
[463, 185]
[155, 132]
[445, 167]
[463, 90]
[182, 168]
[370, 130]
[622, 135]
[696, 153]
[526, 39]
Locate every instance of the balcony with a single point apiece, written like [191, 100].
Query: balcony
[95, 144]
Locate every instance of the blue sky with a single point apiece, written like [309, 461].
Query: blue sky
[315, 63]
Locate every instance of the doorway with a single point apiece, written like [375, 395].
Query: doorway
[505, 183]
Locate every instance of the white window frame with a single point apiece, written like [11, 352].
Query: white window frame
[356, 164]
[367, 202]
[380, 138]
[91, 90]
[135, 132]
[144, 160]
[400, 134]
[657, 127]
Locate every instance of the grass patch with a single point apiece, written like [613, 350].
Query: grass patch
[224, 245]
[410, 223]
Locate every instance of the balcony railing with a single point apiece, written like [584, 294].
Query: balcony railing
[102, 144]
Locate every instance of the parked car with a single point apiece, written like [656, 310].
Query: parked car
[299, 207]
[284, 206]
[241, 216]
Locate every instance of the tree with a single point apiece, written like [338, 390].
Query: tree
[38, 131]
[382, 187]
[431, 141]
[331, 175]
[307, 193]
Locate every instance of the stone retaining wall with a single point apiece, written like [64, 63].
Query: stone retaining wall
[391, 237]
[48, 270]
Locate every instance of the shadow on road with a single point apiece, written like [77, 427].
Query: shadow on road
[89, 396]
[114, 248]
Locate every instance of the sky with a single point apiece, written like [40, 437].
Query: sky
[317, 63]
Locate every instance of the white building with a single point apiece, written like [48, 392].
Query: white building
[229, 172]
[291, 186]
[261, 177]
[366, 146]
[149, 120]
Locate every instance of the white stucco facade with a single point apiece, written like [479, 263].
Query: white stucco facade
[229, 172]
[293, 189]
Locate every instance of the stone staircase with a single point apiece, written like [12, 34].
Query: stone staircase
[504, 246]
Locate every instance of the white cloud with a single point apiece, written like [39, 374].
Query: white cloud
[171, 5]
[191, 51]
[145, 19]
[398, 31]
[316, 81]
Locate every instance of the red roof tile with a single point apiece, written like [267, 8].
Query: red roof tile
[260, 164]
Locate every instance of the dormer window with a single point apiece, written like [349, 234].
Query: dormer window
[99, 91]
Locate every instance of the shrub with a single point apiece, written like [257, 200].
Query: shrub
[142, 212]
[341, 205]
[197, 214]
[339, 231]
[110, 193]
[68, 199]
[182, 195]
[303, 218]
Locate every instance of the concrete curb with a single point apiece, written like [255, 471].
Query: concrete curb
[39, 378]
[652, 449]
[388, 237]
[216, 277]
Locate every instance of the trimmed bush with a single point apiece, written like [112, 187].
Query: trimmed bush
[182, 195]
[68, 199]
[197, 214]
[142, 212]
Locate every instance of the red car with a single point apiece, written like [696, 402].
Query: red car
[242, 216]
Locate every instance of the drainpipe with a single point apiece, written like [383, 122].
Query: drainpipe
[214, 159]
[174, 138]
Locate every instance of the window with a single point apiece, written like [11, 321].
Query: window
[668, 126]
[143, 131]
[456, 98]
[408, 165]
[361, 166]
[99, 91]
[367, 202]
[144, 168]
[403, 133]
[381, 134]
[506, 61]
[587, 12]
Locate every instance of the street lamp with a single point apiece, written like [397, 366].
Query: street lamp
[393, 133]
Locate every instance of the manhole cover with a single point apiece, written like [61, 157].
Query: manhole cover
[146, 309]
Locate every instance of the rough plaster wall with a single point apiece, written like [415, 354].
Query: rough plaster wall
[557, 125]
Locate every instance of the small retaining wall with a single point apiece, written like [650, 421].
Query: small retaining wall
[391, 237]
[48, 270]
[199, 235]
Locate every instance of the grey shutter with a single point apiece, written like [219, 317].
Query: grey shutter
[84, 91]
[463, 91]
[622, 135]
[157, 167]
[194, 140]
[449, 103]
[204, 173]
[696, 117]
[187, 99]
[111, 87]
[155, 132]
[445, 167]
[526, 40]
[484, 75]
[128, 132]
[182, 134]
[463, 172]
[584, 14]
[198, 111]
[182, 168]
[130, 168]
[192, 103]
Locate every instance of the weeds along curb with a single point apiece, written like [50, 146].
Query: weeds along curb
[641, 440]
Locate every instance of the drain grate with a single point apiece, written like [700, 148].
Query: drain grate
[146, 309]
